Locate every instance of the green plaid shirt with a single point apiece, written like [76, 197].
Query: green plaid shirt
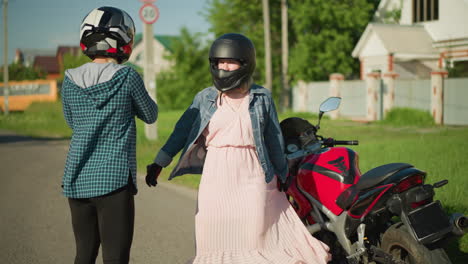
[102, 152]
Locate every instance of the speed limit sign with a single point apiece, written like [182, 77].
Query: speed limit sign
[149, 13]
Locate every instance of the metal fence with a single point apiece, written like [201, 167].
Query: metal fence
[353, 104]
[456, 101]
[413, 94]
[408, 93]
[308, 96]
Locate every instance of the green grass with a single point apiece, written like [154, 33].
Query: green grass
[39, 120]
[441, 151]
[408, 117]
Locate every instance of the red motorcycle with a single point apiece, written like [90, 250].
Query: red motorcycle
[386, 215]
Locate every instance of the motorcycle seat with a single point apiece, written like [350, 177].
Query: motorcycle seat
[367, 180]
[379, 174]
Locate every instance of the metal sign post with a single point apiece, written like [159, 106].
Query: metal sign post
[149, 14]
[5, 58]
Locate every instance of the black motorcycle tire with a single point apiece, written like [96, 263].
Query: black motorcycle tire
[401, 245]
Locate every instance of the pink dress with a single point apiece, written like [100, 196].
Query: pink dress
[240, 218]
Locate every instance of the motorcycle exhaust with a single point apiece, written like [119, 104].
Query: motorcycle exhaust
[460, 224]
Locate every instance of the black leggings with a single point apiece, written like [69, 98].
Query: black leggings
[107, 219]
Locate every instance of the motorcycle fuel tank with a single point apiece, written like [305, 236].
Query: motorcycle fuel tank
[325, 175]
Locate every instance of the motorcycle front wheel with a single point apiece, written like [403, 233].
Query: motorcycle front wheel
[398, 242]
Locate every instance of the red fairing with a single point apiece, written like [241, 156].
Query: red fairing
[327, 174]
[302, 205]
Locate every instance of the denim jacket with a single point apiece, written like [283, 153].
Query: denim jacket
[186, 135]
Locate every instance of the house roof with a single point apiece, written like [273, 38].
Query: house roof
[75, 50]
[28, 55]
[166, 40]
[47, 63]
[400, 40]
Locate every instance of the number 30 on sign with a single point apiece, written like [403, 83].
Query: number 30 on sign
[149, 13]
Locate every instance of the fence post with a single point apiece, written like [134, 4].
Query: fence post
[389, 91]
[437, 95]
[373, 85]
[336, 81]
[301, 96]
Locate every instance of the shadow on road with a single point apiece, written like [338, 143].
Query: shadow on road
[6, 137]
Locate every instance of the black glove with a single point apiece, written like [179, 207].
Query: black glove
[283, 187]
[152, 173]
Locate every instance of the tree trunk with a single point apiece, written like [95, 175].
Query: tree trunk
[266, 26]
[285, 100]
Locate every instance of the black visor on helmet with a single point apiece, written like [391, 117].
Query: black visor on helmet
[237, 47]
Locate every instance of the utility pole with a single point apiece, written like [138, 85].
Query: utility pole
[149, 13]
[285, 101]
[266, 29]
[6, 91]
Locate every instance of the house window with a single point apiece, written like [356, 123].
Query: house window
[425, 10]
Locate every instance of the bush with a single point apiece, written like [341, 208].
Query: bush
[408, 117]
[19, 72]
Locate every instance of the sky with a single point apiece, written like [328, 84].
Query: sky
[50, 23]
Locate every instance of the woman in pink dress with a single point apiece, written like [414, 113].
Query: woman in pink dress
[231, 135]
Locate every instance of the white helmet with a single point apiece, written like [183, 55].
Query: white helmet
[108, 32]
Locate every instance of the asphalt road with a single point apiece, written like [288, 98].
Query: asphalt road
[35, 225]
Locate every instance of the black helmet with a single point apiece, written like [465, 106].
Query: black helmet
[107, 31]
[237, 47]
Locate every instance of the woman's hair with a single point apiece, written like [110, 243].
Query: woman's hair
[108, 59]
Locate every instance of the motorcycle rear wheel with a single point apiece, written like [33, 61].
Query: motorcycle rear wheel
[398, 242]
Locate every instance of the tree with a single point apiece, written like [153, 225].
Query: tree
[189, 74]
[267, 41]
[387, 15]
[458, 69]
[325, 33]
[322, 34]
[285, 88]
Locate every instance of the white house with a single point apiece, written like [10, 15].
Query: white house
[162, 45]
[429, 36]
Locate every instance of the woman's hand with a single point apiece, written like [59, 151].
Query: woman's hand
[152, 173]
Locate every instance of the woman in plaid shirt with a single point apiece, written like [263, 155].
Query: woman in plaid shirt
[100, 101]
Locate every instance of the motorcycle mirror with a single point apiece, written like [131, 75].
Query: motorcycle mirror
[319, 118]
[332, 103]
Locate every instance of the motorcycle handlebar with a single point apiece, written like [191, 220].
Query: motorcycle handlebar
[311, 148]
[331, 142]
[346, 142]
